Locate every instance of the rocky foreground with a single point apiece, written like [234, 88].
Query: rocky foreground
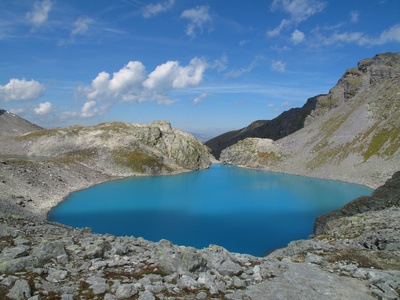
[356, 257]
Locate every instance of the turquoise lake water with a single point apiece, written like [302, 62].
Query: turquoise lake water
[243, 210]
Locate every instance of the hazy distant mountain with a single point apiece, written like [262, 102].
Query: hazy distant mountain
[12, 125]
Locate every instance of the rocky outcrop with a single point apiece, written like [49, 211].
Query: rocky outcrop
[383, 197]
[352, 134]
[116, 148]
[13, 125]
[251, 152]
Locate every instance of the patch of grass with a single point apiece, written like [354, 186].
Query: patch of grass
[269, 158]
[40, 133]
[77, 156]
[137, 161]
[389, 136]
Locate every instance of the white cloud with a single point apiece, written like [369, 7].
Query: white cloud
[17, 111]
[21, 90]
[40, 12]
[43, 109]
[81, 26]
[239, 72]
[388, 36]
[347, 37]
[297, 37]
[354, 16]
[271, 105]
[220, 64]
[198, 17]
[276, 31]
[299, 10]
[278, 66]
[132, 84]
[286, 103]
[171, 75]
[152, 10]
[200, 98]
[391, 35]
[88, 110]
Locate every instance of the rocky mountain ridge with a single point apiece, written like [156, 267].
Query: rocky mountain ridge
[351, 135]
[116, 148]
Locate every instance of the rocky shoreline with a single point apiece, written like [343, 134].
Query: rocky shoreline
[42, 260]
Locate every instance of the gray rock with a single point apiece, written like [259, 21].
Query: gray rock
[228, 267]
[7, 230]
[316, 259]
[306, 281]
[201, 296]
[36, 297]
[19, 264]
[56, 275]
[388, 291]
[15, 252]
[146, 295]
[98, 284]
[20, 290]
[187, 282]
[97, 249]
[172, 260]
[126, 291]
[48, 250]
[9, 280]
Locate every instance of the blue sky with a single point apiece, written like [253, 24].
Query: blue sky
[205, 66]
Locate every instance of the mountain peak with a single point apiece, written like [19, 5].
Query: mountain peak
[13, 125]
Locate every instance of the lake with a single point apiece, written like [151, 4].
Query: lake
[243, 210]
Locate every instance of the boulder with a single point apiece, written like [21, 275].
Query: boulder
[48, 250]
[20, 290]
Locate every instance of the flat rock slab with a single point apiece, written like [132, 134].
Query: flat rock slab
[306, 281]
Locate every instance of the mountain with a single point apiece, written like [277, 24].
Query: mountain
[283, 125]
[350, 134]
[12, 125]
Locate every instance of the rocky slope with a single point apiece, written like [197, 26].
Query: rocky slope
[11, 124]
[41, 260]
[39, 169]
[351, 135]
